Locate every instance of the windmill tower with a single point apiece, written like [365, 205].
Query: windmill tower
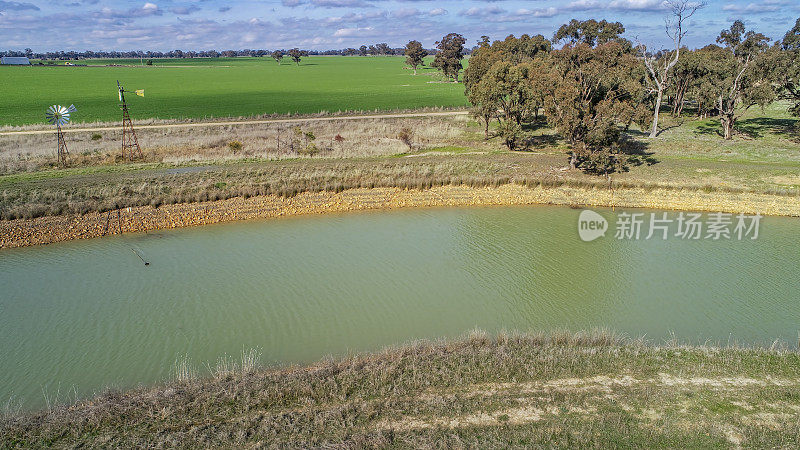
[58, 115]
[130, 145]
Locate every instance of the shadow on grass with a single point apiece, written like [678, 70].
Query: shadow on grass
[540, 141]
[637, 153]
[713, 128]
[678, 124]
[756, 128]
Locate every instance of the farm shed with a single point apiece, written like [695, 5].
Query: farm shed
[15, 61]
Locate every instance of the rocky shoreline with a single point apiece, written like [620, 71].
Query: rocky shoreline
[46, 230]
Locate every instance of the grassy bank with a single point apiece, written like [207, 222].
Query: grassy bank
[186, 168]
[562, 390]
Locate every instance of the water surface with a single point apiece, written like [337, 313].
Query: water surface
[82, 315]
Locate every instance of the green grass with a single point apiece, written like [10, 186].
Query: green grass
[557, 390]
[226, 87]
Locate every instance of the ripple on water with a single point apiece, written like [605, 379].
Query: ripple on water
[89, 314]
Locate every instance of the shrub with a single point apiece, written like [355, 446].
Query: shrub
[310, 149]
[235, 146]
[511, 133]
[97, 136]
[406, 136]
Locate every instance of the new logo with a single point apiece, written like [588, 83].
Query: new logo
[591, 225]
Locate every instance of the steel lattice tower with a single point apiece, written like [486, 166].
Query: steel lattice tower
[130, 144]
[63, 153]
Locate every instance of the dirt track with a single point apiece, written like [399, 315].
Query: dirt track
[242, 122]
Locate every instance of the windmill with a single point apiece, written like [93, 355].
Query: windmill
[58, 115]
[130, 145]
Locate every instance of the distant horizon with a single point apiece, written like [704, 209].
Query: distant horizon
[323, 25]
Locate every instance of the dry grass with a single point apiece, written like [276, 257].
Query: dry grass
[82, 190]
[372, 137]
[591, 389]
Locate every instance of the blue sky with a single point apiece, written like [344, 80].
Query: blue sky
[331, 24]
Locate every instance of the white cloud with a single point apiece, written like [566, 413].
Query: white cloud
[350, 32]
[619, 5]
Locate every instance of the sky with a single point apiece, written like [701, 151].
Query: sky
[163, 25]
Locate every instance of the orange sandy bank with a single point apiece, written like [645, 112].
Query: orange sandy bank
[45, 230]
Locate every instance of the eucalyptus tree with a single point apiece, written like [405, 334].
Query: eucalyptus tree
[499, 83]
[415, 55]
[590, 32]
[296, 55]
[592, 90]
[451, 52]
[746, 83]
[706, 73]
[785, 67]
[685, 73]
[659, 65]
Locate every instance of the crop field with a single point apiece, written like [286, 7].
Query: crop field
[224, 87]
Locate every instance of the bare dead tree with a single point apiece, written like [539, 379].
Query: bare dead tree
[660, 66]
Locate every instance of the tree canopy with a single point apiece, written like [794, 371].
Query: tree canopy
[296, 54]
[415, 55]
[593, 88]
[590, 32]
[592, 91]
[451, 52]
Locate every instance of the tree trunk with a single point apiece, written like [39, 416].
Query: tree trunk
[573, 160]
[727, 125]
[679, 99]
[654, 130]
[486, 120]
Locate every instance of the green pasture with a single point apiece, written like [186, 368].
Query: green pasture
[224, 87]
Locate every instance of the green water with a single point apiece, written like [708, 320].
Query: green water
[79, 316]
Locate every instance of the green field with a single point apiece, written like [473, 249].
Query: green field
[224, 87]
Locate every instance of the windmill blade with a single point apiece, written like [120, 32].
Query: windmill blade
[59, 115]
[51, 115]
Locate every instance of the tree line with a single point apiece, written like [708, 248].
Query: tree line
[381, 49]
[597, 84]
